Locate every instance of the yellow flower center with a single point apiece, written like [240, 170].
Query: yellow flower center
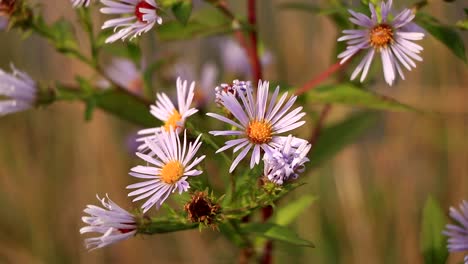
[259, 132]
[172, 172]
[171, 123]
[381, 35]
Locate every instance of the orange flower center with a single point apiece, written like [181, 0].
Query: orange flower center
[138, 13]
[259, 132]
[136, 85]
[172, 172]
[171, 123]
[381, 35]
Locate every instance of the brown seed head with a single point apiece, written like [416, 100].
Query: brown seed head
[201, 209]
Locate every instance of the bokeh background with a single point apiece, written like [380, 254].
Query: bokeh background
[370, 196]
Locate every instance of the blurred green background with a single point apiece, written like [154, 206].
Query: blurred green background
[370, 196]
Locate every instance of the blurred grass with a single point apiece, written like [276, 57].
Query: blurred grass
[370, 197]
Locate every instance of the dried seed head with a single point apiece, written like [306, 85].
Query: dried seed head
[202, 209]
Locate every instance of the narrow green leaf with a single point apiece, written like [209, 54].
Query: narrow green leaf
[336, 137]
[230, 232]
[182, 11]
[349, 94]
[127, 107]
[445, 34]
[207, 21]
[275, 232]
[286, 214]
[433, 242]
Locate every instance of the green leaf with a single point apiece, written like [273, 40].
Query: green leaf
[182, 11]
[229, 230]
[349, 94]
[338, 14]
[433, 242]
[207, 21]
[275, 232]
[445, 34]
[336, 137]
[286, 214]
[126, 106]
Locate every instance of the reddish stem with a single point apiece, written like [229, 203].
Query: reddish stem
[318, 128]
[254, 57]
[267, 257]
[320, 78]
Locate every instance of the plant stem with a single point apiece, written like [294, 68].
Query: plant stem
[320, 78]
[254, 57]
[318, 128]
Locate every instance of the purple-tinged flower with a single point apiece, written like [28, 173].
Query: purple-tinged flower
[125, 74]
[19, 89]
[80, 3]
[164, 110]
[259, 123]
[392, 38]
[141, 17]
[112, 222]
[458, 233]
[235, 89]
[286, 162]
[172, 164]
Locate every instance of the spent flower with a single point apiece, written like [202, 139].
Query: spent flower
[19, 89]
[458, 233]
[171, 165]
[111, 221]
[237, 87]
[141, 17]
[393, 38]
[258, 123]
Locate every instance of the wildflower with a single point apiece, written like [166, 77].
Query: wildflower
[141, 17]
[202, 209]
[125, 74]
[458, 233]
[80, 3]
[258, 126]
[6, 9]
[235, 89]
[392, 38]
[205, 84]
[164, 110]
[171, 166]
[286, 162]
[114, 223]
[19, 89]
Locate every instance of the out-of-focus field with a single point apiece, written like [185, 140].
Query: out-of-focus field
[370, 196]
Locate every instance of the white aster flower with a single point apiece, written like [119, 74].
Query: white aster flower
[80, 3]
[171, 165]
[286, 162]
[141, 17]
[112, 222]
[125, 74]
[235, 89]
[206, 80]
[19, 90]
[392, 38]
[259, 124]
[164, 110]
